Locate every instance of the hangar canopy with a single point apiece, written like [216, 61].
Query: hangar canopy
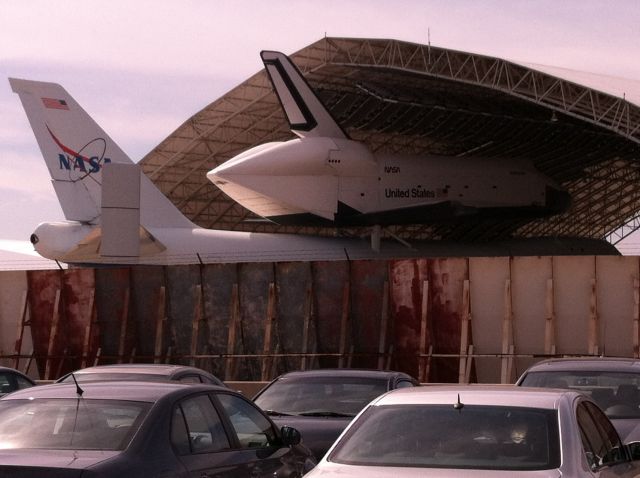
[418, 99]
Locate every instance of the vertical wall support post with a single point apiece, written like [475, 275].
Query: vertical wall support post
[157, 353]
[88, 330]
[308, 314]
[22, 323]
[124, 324]
[195, 326]
[636, 318]
[52, 334]
[424, 362]
[268, 330]
[593, 319]
[229, 371]
[550, 320]
[464, 332]
[384, 318]
[507, 334]
[344, 324]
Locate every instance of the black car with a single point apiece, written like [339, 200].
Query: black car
[143, 372]
[12, 380]
[321, 403]
[139, 429]
[613, 383]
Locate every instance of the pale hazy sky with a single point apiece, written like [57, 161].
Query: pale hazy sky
[143, 67]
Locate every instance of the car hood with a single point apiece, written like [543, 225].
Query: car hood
[318, 433]
[49, 463]
[328, 470]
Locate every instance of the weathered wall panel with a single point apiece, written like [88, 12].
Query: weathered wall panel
[329, 282]
[218, 285]
[488, 277]
[13, 287]
[254, 281]
[528, 291]
[367, 279]
[572, 278]
[293, 287]
[149, 307]
[616, 303]
[181, 309]
[59, 301]
[78, 302]
[407, 281]
[446, 279]
[113, 307]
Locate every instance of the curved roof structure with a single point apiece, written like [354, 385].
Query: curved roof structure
[419, 99]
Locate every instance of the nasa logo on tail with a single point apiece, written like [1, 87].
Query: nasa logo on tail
[87, 160]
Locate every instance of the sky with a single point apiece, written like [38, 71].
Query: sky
[141, 68]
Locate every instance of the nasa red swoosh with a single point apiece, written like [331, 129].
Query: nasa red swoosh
[65, 148]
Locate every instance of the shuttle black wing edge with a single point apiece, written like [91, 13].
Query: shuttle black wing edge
[306, 114]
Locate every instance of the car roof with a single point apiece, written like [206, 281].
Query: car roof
[500, 395]
[13, 370]
[112, 390]
[587, 363]
[151, 368]
[346, 372]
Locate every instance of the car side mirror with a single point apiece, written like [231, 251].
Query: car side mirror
[634, 450]
[290, 436]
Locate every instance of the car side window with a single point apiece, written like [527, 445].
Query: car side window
[600, 441]
[614, 447]
[254, 430]
[5, 383]
[22, 382]
[404, 384]
[190, 379]
[197, 428]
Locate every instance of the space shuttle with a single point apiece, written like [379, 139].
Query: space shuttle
[332, 180]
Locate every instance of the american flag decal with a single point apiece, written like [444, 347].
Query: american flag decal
[55, 104]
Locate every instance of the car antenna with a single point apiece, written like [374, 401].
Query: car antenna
[79, 390]
[458, 405]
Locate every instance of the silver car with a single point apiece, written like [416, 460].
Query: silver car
[480, 431]
[613, 383]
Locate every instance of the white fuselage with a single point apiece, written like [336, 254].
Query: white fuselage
[340, 180]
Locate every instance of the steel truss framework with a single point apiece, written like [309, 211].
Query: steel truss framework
[418, 99]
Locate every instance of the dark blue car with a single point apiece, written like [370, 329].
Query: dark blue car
[321, 403]
[139, 429]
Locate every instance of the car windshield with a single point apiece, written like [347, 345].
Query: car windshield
[616, 393]
[439, 436]
[64, 424]
[321, 395]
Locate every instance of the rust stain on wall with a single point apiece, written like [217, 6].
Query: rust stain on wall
[406, 278]
[446, 278]
[329, 281]
[58, 325]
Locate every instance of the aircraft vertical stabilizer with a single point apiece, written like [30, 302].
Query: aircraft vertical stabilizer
[306, 114]
[76, 149]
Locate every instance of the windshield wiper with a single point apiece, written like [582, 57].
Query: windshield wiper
[326, 413]
[275, 413]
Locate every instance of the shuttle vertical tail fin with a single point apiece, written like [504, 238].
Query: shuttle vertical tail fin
[75, 149]
[306, 114]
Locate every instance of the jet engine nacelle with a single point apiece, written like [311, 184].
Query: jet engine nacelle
[54, 240]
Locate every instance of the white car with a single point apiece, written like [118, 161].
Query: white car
[480, 431]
